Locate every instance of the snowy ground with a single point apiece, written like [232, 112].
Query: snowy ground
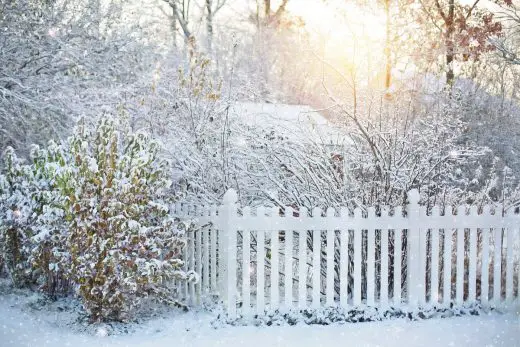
[24, 323]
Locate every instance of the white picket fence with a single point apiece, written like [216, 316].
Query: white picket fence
[267, 260]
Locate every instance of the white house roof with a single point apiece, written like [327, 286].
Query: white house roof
[293, 120]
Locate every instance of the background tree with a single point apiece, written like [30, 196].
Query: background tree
[181, 13]
[464, 30]
[60, 60]
[212, 8]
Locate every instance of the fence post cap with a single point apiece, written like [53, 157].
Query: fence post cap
[413, 196]
[231, 197]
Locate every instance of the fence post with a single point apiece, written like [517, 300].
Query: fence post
[414, 249]
[228, 251]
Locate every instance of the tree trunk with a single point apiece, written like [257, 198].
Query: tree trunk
[174, 23]
[450, 49]
[209, 25]
[388, 72]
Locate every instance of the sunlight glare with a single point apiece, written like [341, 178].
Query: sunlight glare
[349, 35]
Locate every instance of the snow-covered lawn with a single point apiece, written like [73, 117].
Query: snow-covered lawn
[22, 326]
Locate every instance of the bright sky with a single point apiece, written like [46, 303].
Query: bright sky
[351, 38]
[338, 18]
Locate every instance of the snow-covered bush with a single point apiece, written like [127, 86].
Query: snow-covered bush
[187, 111]
[16, 220]
[49, 254]
[123, 245]
[32, 228]
[63, 59]
[94, 213]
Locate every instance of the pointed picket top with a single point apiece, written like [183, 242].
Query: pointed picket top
[473, 210]
[371, 212]
[288, 211]
[274, 211]
[461, 210]
[358, 213]
[436, 211]
[231, 197]
[385, 211]
[344, 212]
[486, 210]
[304, 212]
[398, 211]
[246, 211]
[331, 212]
[413, 197]
[448, 210]
[260, 211]
[316, 212]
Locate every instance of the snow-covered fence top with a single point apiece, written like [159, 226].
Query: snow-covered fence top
[265, 259]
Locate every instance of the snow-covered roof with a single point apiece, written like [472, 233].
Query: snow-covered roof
[294, 121]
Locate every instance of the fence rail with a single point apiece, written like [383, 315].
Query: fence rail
[261, 260]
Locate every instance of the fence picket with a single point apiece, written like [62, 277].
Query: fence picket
[460, 267]
[497, 265]
[383, 293]
[206, 258]
[330, 268]
[191, 267]
[302, 262]
[246, 267]
[509, 265]
[472, 276]
[330, 261]
[192, 259]
[397, 266]
[446, 269]
[275, 264]
[196, 212]
[434, 275]
[371, 261]
[461, 213]
[415, 287]
[288, 280]
[260, 262]
[358, 234]
[423, 254]
[484, 279]
[230, 213]
[213, 257]
[316, 262]
[198, 253]
[343, 267]
[398, 213]
[184, 285]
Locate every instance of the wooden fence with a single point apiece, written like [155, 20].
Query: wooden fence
[262, 260]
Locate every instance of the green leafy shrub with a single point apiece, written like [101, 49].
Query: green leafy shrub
[93, 212]
[123, 245]
[16, 187]
[32, 227]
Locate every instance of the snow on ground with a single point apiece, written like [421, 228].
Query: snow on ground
[23, 323]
